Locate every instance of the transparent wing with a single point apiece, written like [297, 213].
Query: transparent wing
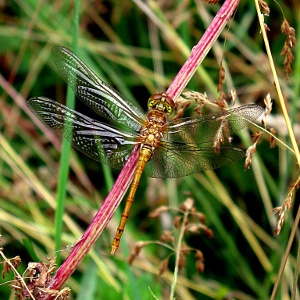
[204, 129]
[178, 160]
[94, 92]
[97, 140]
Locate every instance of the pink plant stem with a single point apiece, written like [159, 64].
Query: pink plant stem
[121, 185]
[98, 224]
[201, 49]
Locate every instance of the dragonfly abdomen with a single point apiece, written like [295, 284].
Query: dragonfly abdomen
[150, 137]
[144, 157]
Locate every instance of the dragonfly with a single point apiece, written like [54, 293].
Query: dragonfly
[167, 148]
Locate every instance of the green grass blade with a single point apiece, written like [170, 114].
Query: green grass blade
[66, 148]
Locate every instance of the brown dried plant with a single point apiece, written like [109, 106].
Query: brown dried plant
[212, 1]
[264, 7]
[189, 220]
[268, 108]
[33, 282]
[251, 150]
[286, 206]
[200, 99]
[290, 42]
[222, 75]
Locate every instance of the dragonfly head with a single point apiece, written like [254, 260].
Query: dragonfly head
[162, 103]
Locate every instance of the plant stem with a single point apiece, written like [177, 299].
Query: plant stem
[63, 174]
[201, 49]
[286, 254]
[277, 85]
[121, 185]
[98, 224]
[178, 249]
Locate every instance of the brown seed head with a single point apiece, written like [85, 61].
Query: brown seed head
[163, 266]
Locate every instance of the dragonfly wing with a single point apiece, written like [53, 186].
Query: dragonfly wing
[204, 129]
[94, 92]
[178, 160]
[97, 140]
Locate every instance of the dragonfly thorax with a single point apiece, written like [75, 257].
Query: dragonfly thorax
[162, 103]
[153, 129]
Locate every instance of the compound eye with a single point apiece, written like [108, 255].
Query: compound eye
[169, 109]
[151, 103]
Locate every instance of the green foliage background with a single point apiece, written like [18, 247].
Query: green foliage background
[243, 258]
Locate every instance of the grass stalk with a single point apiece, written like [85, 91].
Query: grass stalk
[286, 256]
[178, 250]
[277, 84]
[66, 150]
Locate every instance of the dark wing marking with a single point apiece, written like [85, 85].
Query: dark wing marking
[99, 141]
[94, 92]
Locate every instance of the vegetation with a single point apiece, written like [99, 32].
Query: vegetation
[139, 48]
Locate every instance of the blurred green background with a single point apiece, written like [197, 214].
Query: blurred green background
[138, 48]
